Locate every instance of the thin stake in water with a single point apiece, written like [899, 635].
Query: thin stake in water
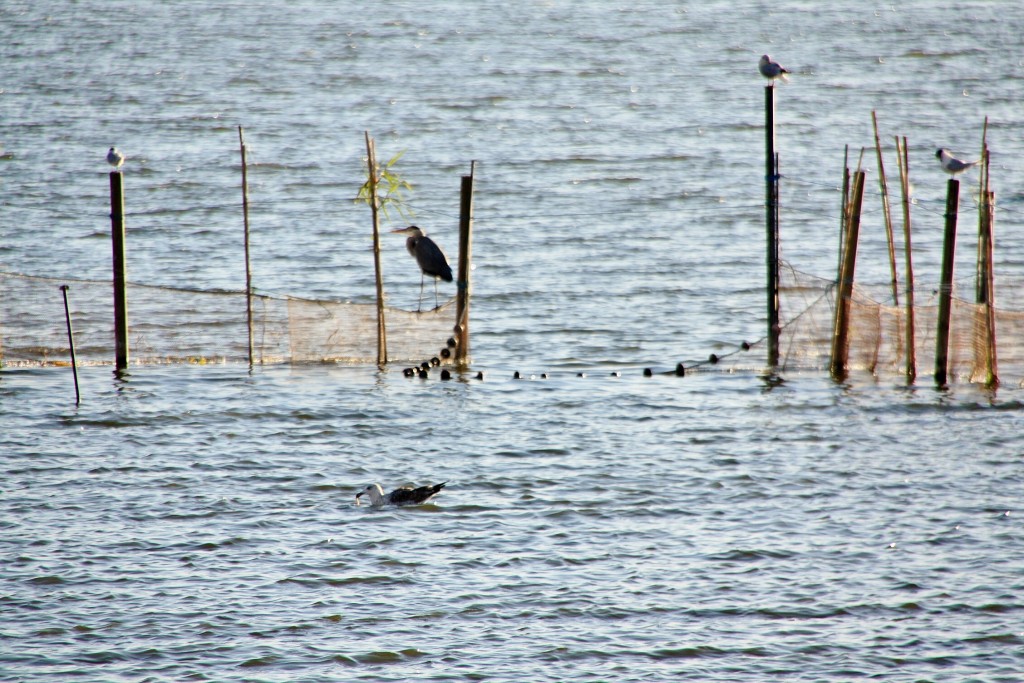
[71, 343]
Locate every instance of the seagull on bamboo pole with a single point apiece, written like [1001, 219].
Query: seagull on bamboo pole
[429, 256]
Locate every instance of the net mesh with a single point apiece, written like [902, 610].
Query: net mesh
[878, 333]
[172, 325]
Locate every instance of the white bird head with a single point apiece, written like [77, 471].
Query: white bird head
[375, 492]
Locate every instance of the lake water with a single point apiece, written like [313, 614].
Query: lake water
[192, 522]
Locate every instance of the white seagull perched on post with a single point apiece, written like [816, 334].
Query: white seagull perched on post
[115, 158]
[772, 70]
[405, 495]
[952, 165]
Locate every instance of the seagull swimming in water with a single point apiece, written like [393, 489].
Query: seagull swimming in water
[405, 495]
[952, 165]
[772, 70]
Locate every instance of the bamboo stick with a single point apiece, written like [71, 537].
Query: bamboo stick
[371, 161]
[245, 221]
[903, 161]
[844, 295]
[886, 213]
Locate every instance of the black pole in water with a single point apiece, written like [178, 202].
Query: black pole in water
[71, 343]
[771, 177]
[465, 256]
[946, 283]
[120, 289]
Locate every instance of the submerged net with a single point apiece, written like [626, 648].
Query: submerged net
[173, 325]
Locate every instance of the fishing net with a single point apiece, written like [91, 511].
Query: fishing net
[173, 325]
[878, 332]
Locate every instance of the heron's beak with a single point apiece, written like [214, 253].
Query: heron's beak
[398, 230]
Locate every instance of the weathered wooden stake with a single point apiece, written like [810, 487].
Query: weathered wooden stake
[120, 286]
[886, 213]
[71, 343]
[985, 286]
[844, 295]
[903, 161]
[464, 290]
[991, 362]
[245, 220]
[844, 210]
[382, 337]
[771, 203]
[946, 283]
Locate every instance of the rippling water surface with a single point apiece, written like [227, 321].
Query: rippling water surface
[197, 522]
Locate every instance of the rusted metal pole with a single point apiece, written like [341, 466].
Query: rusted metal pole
[121, 355]
[465, 267]
[71, 343]
[245, 220]
[946, 283]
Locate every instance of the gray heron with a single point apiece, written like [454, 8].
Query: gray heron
[405, 495]
[429, 256]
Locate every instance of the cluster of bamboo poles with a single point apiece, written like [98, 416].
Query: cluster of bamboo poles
[852, 199]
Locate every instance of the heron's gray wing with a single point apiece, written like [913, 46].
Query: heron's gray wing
[432, 260]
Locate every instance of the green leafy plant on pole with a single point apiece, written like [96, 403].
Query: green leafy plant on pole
[389, 186]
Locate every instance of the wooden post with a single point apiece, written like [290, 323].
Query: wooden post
[771, 203]
[382, 337]
[886, 213]
[465, 267]
[71, 343]
[245, 220]
[903, 161]
[844, 295]
[991, 362]
[844, 210]
[120, 286]
[946, 283]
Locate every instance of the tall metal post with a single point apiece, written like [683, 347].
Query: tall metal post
[946, 283]
[120, 286]
[465, 256]
[771, 177]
